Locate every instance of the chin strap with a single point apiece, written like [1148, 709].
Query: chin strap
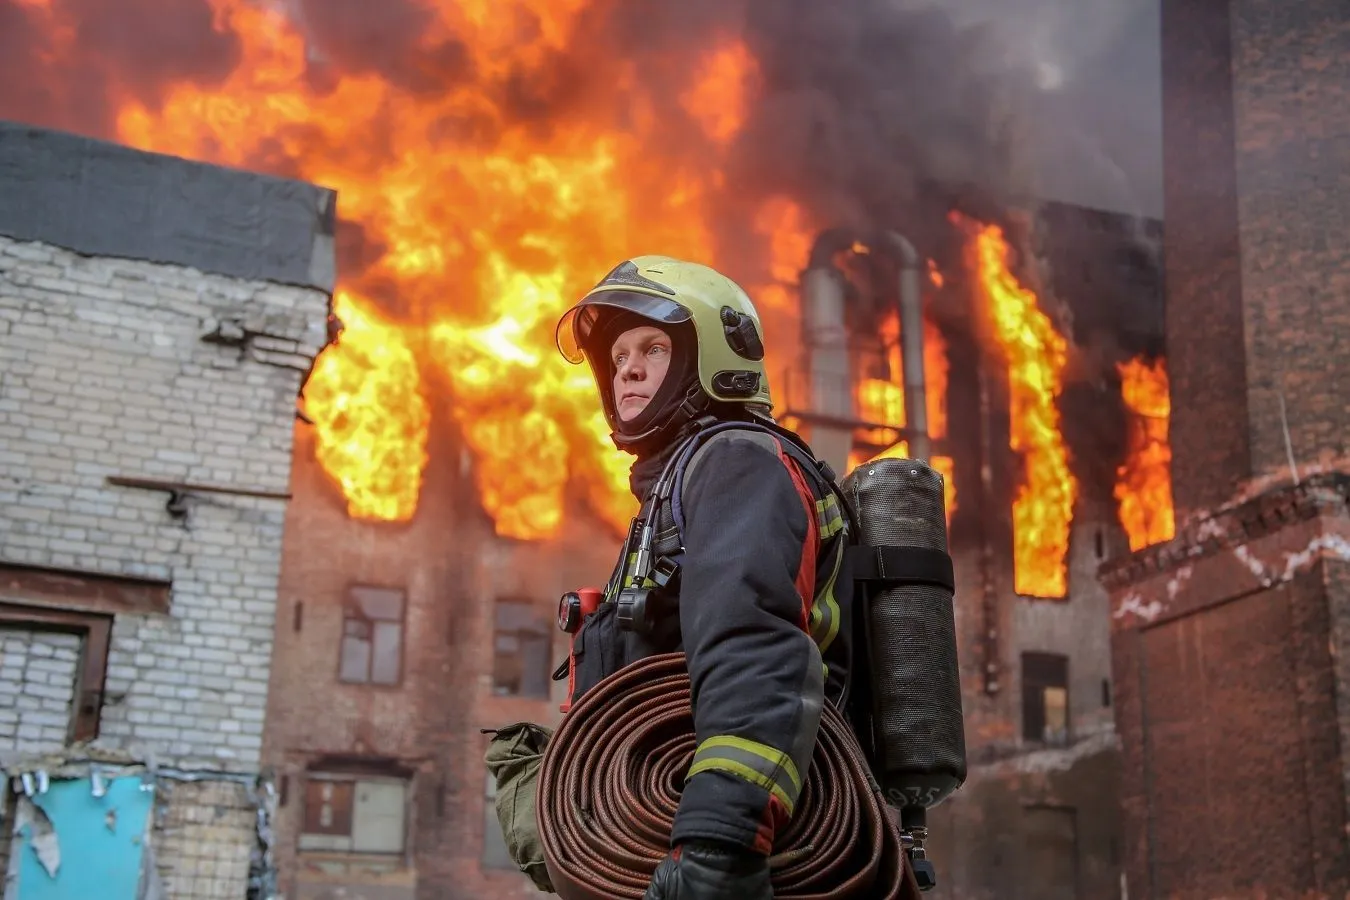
[678, 424]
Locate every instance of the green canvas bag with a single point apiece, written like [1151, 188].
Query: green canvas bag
[513, 758]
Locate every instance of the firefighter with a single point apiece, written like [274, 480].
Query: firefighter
[677, 352]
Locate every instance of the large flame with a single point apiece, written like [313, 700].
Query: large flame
[882, 401]
[1036, 355]
[1144, 481]
[376, 459]
[485, 241]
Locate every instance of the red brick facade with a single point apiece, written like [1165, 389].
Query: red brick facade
[1229, 643]
[427, 727]
[1227, 654]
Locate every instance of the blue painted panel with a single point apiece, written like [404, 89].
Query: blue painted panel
[101, 839]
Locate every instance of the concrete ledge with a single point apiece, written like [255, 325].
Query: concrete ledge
[103, 199]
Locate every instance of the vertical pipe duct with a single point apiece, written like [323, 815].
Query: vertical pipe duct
[911, 345]
[826, 338]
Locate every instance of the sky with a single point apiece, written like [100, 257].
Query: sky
[1095, 129]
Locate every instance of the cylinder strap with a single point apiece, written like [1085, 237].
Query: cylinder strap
[610, 783]
[902, 565]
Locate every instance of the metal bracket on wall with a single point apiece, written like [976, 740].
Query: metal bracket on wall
[178, 492]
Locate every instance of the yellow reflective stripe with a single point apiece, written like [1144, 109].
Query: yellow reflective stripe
[628, 575]
[830, 519]
[750, 761]
[825, 610]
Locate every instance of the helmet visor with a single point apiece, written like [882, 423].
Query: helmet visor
[578, 323]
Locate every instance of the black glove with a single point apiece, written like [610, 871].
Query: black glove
[707, 871]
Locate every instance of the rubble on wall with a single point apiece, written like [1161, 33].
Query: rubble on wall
[141, 829]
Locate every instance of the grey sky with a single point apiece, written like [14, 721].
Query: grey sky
[1096, 127]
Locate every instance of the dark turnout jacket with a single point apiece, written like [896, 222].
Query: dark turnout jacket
[766, 640]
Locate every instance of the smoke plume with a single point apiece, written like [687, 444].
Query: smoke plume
[70, 77]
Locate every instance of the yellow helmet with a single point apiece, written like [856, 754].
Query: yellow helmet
[670, 291]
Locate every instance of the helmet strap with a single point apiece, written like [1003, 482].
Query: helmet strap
[691, 411]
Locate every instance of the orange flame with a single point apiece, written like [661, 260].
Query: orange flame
[883, 402]
[1036, 355]
[718, 99]
[486, 241]
[935, 274]
[1144, 482]
[376, 459]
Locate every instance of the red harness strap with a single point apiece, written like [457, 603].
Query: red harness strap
[806, 572]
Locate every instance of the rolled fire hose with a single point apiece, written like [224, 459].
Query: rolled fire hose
[610, 783]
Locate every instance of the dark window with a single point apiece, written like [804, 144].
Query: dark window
[372, 636]
[521, 645]
[354, 814]
[1045, 697]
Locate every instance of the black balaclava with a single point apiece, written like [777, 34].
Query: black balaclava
[666, 413]
[681, 376]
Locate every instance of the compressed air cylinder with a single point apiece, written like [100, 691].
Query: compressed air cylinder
[919, 737]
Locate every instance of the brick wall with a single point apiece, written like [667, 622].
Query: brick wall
[37, 688]
[1205, 359]
[1291, 63]
[1228, 641]
[1257, 276]
[106, 374]
[1226, 658]
[428, 725]
[205, 833]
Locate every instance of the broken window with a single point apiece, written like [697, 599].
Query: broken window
[495, 853]
[372, 636]
[522, 640]
[1045, 697]
[349, 814]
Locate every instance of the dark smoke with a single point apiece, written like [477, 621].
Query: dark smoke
[866, 103]
[861, 102]
[861, 108]
[131, 48]
[358, 36]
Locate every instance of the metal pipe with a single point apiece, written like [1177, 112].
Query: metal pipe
[911, 345]
[825, 333]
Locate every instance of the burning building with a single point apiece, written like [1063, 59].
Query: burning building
[451, 476]
[156, 320]
[1229, 640]
[1049, 458]
[401, 636]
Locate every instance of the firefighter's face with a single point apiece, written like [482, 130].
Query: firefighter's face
[641, 358]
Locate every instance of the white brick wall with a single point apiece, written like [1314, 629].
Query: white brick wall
[104, 373]
[37, 688]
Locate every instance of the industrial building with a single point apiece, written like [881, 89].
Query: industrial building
[157, 318]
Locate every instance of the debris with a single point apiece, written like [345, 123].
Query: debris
[41, 835]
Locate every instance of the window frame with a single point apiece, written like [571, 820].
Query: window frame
[548, 625]
[354, 779]
[95, 633]
[350, 604]
[1042, 670]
